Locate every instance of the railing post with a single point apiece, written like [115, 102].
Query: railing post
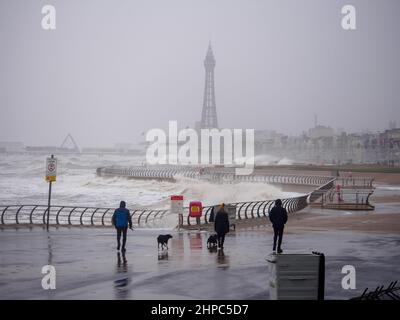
[2, 214]
[140, 216]
[147, 217]
[44, 215]
[58, 213]
[239, 216]
[155, 216]
[104, 214]
[91, 218]
[258, 209]
[81, 217]
[69, 216]
[245, 210]
[30, 215]
[16, 215]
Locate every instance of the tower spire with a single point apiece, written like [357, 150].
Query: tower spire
[209, 113]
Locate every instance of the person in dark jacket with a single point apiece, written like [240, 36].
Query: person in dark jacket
[221, 225]
[278, 217]
[121, 219]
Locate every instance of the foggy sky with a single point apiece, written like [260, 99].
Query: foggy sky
[114, 69]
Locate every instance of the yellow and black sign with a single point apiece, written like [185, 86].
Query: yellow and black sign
[51, 169]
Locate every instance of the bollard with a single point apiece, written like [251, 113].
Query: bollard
[297, 276]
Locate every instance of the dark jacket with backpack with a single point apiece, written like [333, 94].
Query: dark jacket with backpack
[278, 217]
[122, 218]
[221, 222]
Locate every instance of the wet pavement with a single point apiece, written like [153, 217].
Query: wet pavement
[89, 267]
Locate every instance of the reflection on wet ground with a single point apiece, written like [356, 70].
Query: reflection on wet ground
[88, 265]
[222, 259]
[122, 281]
[163, 255]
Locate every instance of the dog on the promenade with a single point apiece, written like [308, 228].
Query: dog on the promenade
[162, 240]
[212, 241]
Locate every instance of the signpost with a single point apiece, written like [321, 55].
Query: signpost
[177, 208]
[51, 174]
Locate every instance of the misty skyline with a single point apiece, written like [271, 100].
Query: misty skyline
[112, 70]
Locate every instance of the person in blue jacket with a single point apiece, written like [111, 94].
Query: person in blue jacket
[121, 219]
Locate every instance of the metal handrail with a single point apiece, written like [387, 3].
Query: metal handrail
[64, 215]
[211, 174]
[97, 216]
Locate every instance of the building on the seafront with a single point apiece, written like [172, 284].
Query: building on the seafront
[321, 132]
[323, 145]
[392, 125]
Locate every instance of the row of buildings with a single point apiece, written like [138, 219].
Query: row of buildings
[322, 144]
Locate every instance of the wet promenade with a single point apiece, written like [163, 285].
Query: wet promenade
[88, 266]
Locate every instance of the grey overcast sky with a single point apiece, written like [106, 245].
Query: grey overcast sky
[114, 69]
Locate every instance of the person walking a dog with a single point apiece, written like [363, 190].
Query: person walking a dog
[278, 217]
[221, 225]
[121, 219]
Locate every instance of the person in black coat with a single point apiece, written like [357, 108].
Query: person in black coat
[278, 217]
[221, 225]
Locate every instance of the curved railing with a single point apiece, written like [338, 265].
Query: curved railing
[352, 182]
[213, 174]
[259, 209]
[319, 192]
[69, 215]
[252, 209]
[92, 216]
[147, 173]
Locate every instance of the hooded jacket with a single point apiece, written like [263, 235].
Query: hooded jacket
[122, 218]
[278, 217]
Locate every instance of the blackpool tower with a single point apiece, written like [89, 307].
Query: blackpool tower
[209, 113]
